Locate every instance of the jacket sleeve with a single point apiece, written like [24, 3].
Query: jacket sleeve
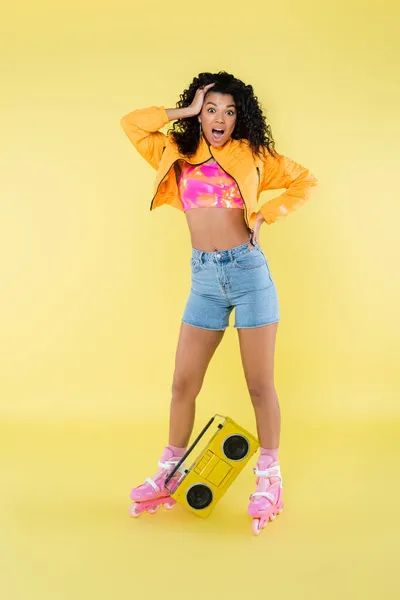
[141, 126]
[282, 172]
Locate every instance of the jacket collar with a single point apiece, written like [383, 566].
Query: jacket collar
[230, 149]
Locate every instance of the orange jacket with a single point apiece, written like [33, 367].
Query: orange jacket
[252, 175]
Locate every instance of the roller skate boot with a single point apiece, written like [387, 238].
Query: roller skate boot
[266, 502]
[149, 496]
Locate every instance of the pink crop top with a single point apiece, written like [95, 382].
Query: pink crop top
[208, 186]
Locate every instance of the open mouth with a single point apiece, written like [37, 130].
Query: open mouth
[217, 134]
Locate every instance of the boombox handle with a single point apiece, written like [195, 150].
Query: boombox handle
[188, 451]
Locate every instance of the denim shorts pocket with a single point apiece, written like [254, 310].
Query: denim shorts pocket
[250, 260]
[195, 264]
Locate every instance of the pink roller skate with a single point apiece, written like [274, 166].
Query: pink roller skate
[266, 502]
[150, 495]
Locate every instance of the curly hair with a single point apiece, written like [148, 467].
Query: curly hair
[250, 123]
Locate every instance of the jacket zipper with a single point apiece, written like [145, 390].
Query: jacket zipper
[244, 202]
[175, 161]
[197, 165]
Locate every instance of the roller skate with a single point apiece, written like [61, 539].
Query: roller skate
[266, 502]
[149, 496]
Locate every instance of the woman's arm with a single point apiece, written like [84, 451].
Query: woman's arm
[282, 172]
[142, 126]
[180, 113]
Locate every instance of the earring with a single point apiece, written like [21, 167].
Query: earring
[200, 128]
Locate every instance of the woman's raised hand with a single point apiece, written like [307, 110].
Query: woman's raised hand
[194, 108]
[197, 102]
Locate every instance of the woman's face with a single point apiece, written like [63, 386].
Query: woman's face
[218, 118]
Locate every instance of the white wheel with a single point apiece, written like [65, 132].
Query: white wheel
[134, 511]
[169, 505]
[152, 510]
[255, 527]
[273, 517]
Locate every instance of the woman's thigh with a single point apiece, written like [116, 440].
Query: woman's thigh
[257, 349]
[196, 347]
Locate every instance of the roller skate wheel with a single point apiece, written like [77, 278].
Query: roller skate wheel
[169, 505]
[273, 517]
[153, 509]
[255, 527]
[134, 511]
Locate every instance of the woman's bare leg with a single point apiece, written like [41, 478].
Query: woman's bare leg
[257, 346]
[195, 349]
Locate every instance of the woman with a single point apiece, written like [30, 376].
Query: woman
[213, 164]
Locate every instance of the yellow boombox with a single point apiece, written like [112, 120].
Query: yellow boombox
[214, 470]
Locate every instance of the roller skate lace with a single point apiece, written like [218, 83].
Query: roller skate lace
[154, 487]
[165, 468]
[152, 494]
[268, 479]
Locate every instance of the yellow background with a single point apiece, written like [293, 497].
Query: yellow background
[93, 286]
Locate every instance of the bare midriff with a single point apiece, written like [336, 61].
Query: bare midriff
[212, 230]
[216, 228]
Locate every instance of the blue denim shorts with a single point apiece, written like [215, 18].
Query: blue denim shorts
[236, 278]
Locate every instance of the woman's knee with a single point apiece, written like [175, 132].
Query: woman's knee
[262, 392]
[185, 387]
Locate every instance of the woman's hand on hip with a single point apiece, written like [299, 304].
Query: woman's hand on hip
[259, 221]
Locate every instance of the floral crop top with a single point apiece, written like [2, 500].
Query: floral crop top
[208, 186]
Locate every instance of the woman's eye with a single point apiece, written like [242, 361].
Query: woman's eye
[210, 109]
